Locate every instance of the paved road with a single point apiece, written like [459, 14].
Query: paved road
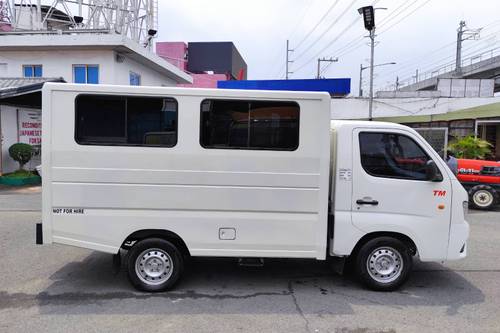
[62, 289]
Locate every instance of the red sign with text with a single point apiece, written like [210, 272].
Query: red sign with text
[30, 127]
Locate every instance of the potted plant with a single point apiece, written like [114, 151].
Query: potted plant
[21, 153]
[470, 147]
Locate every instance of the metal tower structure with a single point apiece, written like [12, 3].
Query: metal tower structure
[136, 19]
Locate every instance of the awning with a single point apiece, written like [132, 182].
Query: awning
[23, 91]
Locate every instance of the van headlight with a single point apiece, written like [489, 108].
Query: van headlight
[465, 205]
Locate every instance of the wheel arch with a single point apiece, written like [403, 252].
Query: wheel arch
[372, 235]
[167, 235]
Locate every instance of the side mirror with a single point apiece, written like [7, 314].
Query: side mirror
[432, 172]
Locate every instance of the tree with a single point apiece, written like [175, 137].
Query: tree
[21, 153]
[470, 147]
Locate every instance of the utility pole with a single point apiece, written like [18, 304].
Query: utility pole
[331, 60]
[368, 13]
[372, 46]
[462, 35]
[458, 60]
[288, 61]
[361, 69]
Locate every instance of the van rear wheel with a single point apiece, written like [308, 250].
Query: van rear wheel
[154, 264]
[384, 263]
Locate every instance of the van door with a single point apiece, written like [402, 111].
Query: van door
[391, 191]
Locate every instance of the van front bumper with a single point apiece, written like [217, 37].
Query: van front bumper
[457, 247]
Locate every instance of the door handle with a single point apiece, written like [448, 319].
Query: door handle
[367, 202]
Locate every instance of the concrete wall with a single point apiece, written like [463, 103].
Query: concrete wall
[59, 63]
[204, 81]
[8, 120]
[357, 108]
[174, 53]
[149, 77]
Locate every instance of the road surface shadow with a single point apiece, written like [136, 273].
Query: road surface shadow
[212, 285]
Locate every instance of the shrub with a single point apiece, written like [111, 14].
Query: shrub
[21, 153]
[470, 147]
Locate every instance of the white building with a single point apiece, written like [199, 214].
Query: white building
[27, 58]
[85, 58]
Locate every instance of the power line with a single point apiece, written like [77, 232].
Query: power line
[383, 23]
[396, 12]
[413, 11]
[333, 41]
[277, 59]
[359, 41]
[317, 24]
[408, 63]
[327, 29]
[441, 62]
[305, 12]
[329, 44]
[361, 37]
[411, 63]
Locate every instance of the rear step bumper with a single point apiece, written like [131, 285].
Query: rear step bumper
[39, 234]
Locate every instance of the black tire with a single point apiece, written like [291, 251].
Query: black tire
[483, 197]
[164, 264]
[388, 250]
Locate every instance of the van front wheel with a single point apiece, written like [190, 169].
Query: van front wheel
[154, 264]
[384, 263]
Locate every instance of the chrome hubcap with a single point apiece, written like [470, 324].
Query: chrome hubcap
[384, 264]
[154, 266]
[483, 198]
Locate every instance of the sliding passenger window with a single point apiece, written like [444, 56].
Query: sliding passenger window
[126, 120]
[392, 155]
[236, 124]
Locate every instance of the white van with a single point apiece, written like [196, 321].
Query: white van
[167, 173]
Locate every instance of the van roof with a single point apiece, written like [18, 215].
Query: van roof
[179, 91]
[337, 124]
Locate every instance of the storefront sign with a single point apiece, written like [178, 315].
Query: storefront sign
[30, 127]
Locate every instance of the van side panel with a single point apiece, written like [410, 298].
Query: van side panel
[96, 196]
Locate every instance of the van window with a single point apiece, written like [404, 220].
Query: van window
[392, 155]
[237, 124]
[126, 120]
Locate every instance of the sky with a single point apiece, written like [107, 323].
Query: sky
[416, 34]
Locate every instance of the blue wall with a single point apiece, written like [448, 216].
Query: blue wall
[336, 87]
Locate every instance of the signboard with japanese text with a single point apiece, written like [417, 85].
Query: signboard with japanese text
[30, 132]
[30, 127]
